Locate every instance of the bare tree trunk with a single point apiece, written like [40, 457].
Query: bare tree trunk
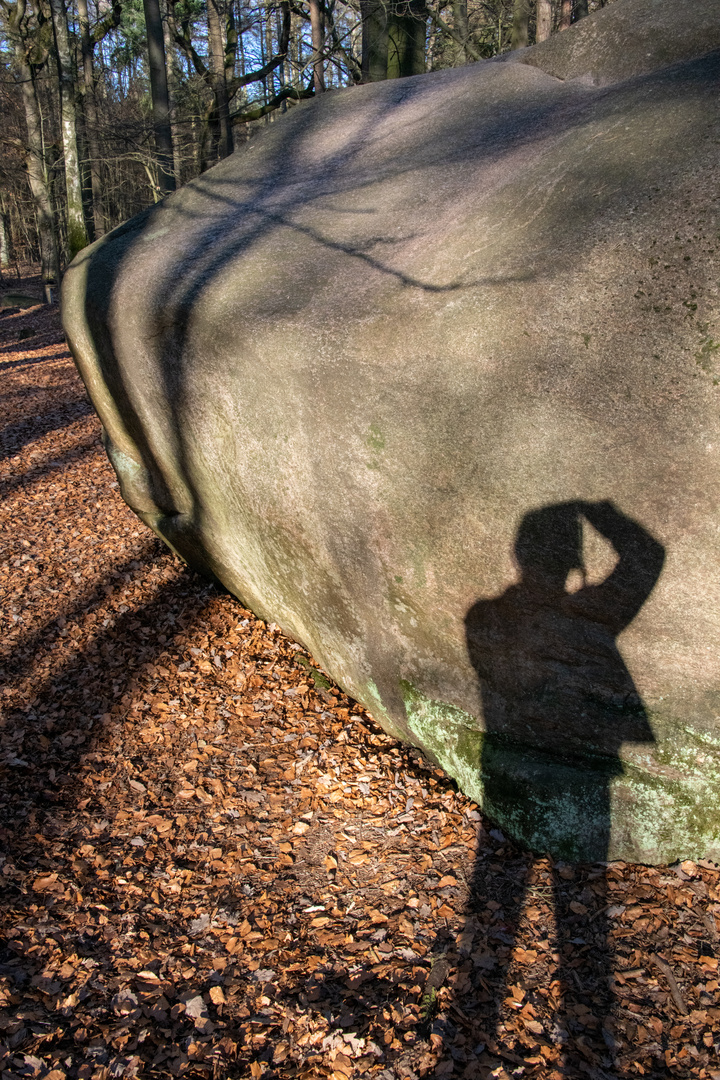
[581, 9]
[217, 67]
[374, 40]
[35, 164]
[160, 98]
[356, 48]
[299, 50]
[4, 238]
[171, 69]
[84, 159]
[91, 118]
[565, 14]
[408, 35]
[521, 23]
[241, 47]
[316, 28]
[76, 232]
[282, 70]
[197, 139]
[263, 57]
[460, 21]
[270, 81]
[544, 20]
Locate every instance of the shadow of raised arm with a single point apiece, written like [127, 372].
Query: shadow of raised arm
[617, 600]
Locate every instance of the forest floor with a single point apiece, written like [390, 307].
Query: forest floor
[215, 864]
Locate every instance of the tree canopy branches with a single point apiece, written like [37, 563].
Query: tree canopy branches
[109, 104]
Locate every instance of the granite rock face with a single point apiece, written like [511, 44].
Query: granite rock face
[625, 39]
[429, 374]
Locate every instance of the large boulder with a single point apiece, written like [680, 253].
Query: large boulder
[625, 39]
[428, 375]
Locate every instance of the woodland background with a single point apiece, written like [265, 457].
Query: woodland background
[109, 104]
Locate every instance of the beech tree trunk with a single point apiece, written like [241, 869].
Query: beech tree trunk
[565, 14]
[170, 68]
[543, 28]
[77, 237]
[160, 98]
[460, 21]
[4, 238]
[91, 119]
[35, 166]
[283, 69]
[521, 24]
[407, 31]
[393, 38]
[270, 81]
[316, 28]
[374, 16]
[219, 84]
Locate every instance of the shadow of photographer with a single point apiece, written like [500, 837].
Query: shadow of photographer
[558, 704]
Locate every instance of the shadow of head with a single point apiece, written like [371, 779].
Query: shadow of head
[549, 544]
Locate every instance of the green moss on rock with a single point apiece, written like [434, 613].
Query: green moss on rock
[595, 808]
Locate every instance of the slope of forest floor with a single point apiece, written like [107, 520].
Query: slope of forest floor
[215, 864]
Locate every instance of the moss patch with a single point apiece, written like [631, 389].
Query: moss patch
[319, 680]
[591, 808]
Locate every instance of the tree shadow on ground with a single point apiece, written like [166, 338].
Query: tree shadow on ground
[63, 719]
[15, 436]
[30, 361]
[38, 472]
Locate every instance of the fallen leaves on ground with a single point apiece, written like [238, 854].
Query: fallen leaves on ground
[216, 864]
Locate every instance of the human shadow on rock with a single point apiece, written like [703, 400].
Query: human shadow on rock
[558, 704]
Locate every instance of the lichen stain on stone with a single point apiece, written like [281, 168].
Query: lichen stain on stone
[375, 439]
[653, 814]
[450, 736]
[371, 698]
